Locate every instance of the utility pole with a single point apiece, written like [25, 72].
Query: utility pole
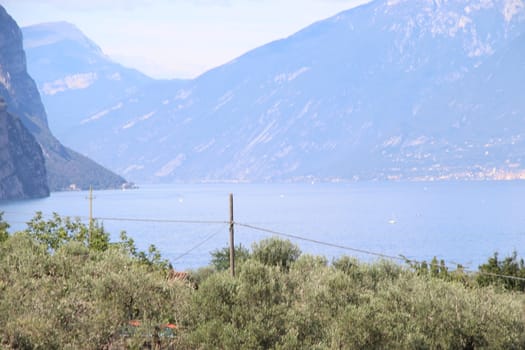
[90, 213]
[232, 244]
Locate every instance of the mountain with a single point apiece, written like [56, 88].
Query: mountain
[64, 167]
[394, 89]
[74, 77]
[23, 172]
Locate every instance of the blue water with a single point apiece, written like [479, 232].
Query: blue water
[461, 222]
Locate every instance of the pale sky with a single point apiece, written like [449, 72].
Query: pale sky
[178, 38]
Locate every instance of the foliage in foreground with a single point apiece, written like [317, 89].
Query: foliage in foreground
[61, 287]
[80, 295]
[349, 305]
[509, 266]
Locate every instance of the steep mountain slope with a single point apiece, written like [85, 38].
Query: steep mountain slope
[395, 89]
[64, 166]
[74, 77]
[23, 172]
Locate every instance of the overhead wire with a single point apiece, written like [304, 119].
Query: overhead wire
[198, 245]
[102, 218]
[333, 245]
[173, 221]
[282, 234]
[169, 221]
[367, 252]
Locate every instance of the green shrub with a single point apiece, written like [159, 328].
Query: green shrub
[509, 266]
[276, 252]
[221, 257]
[4, 227]
[55, 232]
[72, 295]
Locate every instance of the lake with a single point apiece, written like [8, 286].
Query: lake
[461, 222]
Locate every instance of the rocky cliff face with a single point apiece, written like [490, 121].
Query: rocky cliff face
[22, 171]
[64, 166]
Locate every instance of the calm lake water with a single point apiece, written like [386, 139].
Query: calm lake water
[461, 222]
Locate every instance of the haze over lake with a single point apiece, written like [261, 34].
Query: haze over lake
[461, 222]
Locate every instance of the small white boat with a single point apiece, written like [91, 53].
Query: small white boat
[392, 220]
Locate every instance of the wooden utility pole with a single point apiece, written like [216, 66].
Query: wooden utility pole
[90, 214]
[232, 243]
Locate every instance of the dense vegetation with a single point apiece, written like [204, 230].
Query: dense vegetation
[66, 286]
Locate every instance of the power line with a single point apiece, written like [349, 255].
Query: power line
[101, 218]
[169, 221]
[198, 245]
[278, 233]
[30, 214]
[333, 245]
[368, 252]
[497, 275]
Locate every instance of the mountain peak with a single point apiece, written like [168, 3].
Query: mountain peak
[53, 32]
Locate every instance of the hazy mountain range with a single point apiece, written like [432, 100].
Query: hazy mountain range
[75, 78]
[394, 89]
